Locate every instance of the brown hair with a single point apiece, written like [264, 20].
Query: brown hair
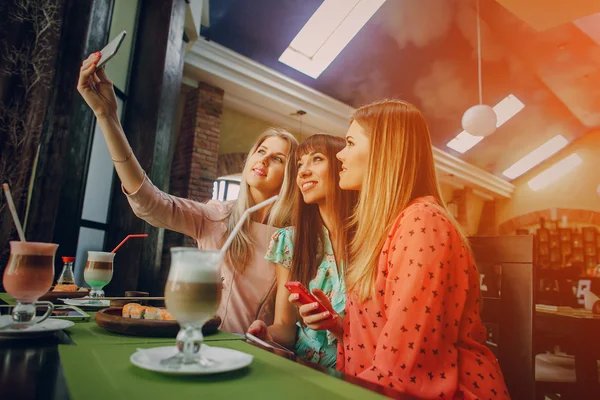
[309, 233]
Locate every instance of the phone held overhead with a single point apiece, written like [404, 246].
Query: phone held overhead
[111, 49]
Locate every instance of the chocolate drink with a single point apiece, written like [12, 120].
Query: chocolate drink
[30, 270]
[192, 301]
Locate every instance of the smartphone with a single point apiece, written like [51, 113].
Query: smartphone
[306, 297]
[70, 313]
[110, 50]
[267, 343]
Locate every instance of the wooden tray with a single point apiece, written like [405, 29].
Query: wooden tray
[54, 296]
[111, 320]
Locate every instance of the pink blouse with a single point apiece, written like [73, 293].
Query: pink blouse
[246, 296]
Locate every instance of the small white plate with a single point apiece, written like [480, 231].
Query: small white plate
[225, 360]
[87, 303]
[45, 328]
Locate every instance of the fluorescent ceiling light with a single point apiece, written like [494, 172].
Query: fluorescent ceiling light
[326, 34]
[538, 155]
[505, 110]
[555, 172]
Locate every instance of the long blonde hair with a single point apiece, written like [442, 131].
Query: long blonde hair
[280, 215]
[400, 169]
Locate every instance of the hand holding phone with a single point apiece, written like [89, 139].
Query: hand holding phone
[110, 50]
[323, 317]
[304, 296]
[267, 343]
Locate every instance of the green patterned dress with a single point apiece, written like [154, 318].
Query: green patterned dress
[316, 346]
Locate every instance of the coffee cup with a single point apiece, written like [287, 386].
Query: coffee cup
[28, 276]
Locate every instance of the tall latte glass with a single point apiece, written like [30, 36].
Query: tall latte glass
[28, 275]
[98, 271]
[192, 294]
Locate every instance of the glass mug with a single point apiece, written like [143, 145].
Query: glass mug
[29, 275]
[98, 271]
[192, 295]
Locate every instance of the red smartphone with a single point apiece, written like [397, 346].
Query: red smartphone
[305, 297]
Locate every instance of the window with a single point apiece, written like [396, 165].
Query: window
[227, 187]
[100, 175]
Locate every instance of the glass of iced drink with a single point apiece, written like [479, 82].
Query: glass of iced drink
[98, 271]
[28, 275]
[192, 294]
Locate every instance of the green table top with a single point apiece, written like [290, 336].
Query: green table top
[105, 372]
[89, 333]
[7, 298]
[97, 366]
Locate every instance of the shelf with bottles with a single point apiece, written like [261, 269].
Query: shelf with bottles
[590, 261]
[590, 234]
[577, 240]
[578, 255]
[590, 249]
[554, 240]
[543, 235]
[555, 256]
[566, 235]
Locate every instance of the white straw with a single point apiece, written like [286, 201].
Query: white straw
[238, 226]
[13, 211]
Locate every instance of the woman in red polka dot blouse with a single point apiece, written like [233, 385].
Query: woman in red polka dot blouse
[412, 319]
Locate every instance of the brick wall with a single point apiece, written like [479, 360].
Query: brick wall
[194, 165]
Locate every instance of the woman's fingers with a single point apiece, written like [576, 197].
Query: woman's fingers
[87, 69]
[92, 59]
[256, 329]
[103, 78]
[315, 318]
[308, 309]
[323, 299]
[85, 75]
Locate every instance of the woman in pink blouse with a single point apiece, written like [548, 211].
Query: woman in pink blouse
[248, 279]
[412, 320]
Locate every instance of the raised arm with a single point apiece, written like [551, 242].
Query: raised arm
[147, 201]
[98, 92]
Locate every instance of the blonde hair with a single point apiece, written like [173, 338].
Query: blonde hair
[280, 215]
[400, 169]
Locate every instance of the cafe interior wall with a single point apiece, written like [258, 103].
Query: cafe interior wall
[240, 130]
[577, 190]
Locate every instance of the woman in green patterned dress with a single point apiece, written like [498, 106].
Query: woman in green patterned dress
[313, 251]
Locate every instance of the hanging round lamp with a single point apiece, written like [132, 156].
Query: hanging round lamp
[481, 119]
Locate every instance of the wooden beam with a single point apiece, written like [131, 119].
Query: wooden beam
[59, 182]
[148, 121]
[544, 14]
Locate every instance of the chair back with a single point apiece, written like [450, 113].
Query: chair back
[510, 307]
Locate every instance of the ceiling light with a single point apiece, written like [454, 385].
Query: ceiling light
[555, 172]
[538, 155]
[505, 110]
[326, 34]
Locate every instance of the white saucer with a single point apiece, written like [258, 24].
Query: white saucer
[226, 360]
[45, 328]
[86, 302]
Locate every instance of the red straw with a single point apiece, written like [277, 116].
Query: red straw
[137, 235]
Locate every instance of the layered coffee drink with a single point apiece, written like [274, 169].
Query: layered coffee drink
[30, 270]
[193, 289]
[98, 271]
[28, 275]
